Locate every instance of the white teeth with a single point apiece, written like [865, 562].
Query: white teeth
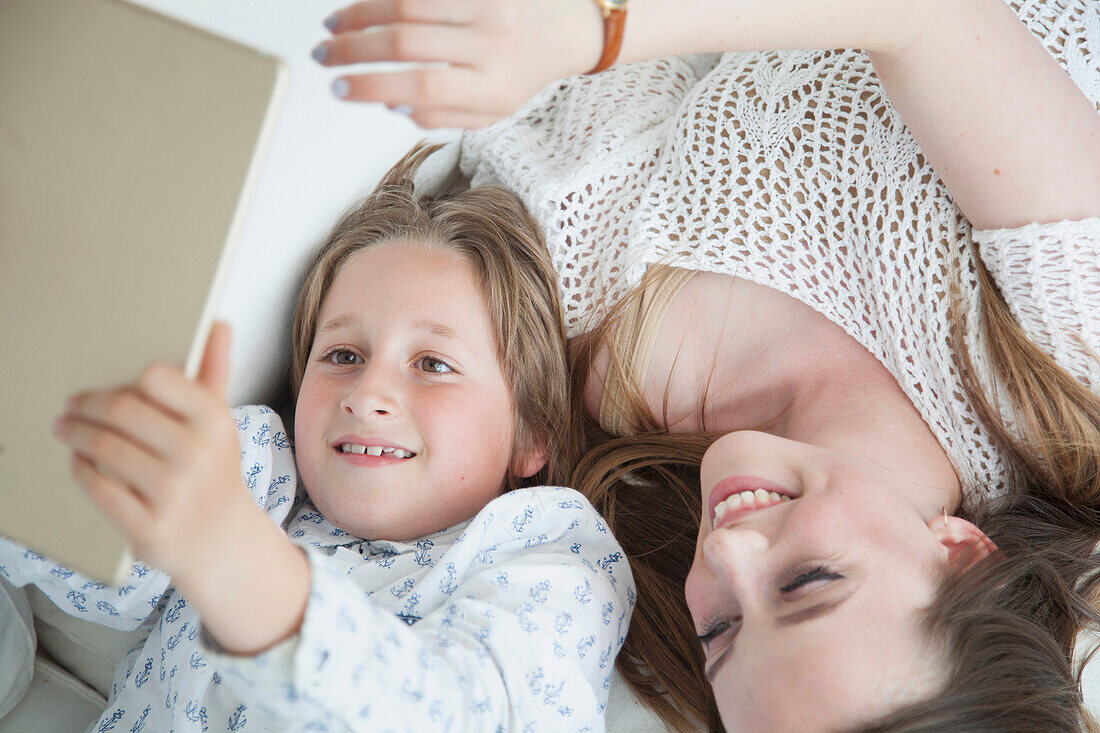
[375, 450]
[748, 499]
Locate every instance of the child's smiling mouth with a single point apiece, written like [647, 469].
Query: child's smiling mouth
[374, 450]
[370, 450]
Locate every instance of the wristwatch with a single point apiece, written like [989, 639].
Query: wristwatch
[614, 18]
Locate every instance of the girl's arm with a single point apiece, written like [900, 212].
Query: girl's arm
[162, 460]
[1006, 129]
[515, 627]
[124, 607]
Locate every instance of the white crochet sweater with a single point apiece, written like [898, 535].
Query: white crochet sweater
[792, 170]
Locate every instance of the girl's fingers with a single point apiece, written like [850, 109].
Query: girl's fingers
[453, 88]
[381, 12]
[129, 413]
[167, 388]
[439, 118]
[114, 456]
[126, 509]
[403, 42]
[213, 373]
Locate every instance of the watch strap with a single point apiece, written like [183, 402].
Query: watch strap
[614, 20]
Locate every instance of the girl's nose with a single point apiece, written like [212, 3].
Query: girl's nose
[375, 392]
[736, 556]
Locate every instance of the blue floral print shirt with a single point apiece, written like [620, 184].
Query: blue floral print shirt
[509, 621]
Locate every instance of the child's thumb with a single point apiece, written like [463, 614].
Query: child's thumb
[214, 370]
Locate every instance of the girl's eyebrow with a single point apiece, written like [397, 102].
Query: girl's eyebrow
[338, 322]
[436, 329]
[426, 325]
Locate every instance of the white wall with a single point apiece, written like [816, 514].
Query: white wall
[324, 155]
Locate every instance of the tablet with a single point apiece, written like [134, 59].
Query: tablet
[129, 145]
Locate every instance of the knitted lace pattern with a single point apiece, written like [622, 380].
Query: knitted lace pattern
[792, 169]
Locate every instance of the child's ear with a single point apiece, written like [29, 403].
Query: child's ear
[964, 542]
[530, 458]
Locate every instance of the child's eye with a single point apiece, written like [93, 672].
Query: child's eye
[432, 365]
[342, 357]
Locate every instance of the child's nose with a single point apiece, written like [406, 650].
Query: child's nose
[374, 393]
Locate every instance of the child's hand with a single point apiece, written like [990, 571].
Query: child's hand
[160, 459]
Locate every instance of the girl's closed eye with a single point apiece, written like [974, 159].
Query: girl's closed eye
[714, 628]
[808, 581]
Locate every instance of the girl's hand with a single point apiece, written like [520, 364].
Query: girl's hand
[486, 57]
[160, 459]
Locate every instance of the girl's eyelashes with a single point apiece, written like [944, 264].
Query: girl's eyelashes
[433, 365]
[429, 364]
[341, 356]
[803, 577]
[714, 629]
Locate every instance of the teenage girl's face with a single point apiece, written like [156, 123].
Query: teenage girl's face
[404, 418]
[808, 598]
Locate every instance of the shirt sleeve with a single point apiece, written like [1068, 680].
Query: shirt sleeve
[1049, 275]
[267, 468]
[526, 640]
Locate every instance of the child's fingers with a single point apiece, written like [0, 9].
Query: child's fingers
[124, 508]
[128, 412]
[193, 402]
[214, 370]
[113, 455]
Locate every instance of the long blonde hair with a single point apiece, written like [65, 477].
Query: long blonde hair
[492, 230]
[1009, 623]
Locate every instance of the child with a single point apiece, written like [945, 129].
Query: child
[404, 591]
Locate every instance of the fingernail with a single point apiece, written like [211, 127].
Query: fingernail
[341, 88]
[332, 21]
[320, 53]
[402, 109]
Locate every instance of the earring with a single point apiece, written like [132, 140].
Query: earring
[945, 516]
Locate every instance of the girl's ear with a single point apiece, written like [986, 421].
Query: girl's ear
[965, 543]
[530, 457]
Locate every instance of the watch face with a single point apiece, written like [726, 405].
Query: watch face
[614, 4]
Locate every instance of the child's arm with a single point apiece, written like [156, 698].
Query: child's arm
[517, 624]
[161, 459]
[124, 607]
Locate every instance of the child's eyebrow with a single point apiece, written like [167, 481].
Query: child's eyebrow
[437, 329]
[336, 323]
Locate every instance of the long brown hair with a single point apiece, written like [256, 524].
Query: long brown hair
[490, 227]
[1008, 623]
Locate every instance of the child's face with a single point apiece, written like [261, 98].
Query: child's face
[404, 359]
